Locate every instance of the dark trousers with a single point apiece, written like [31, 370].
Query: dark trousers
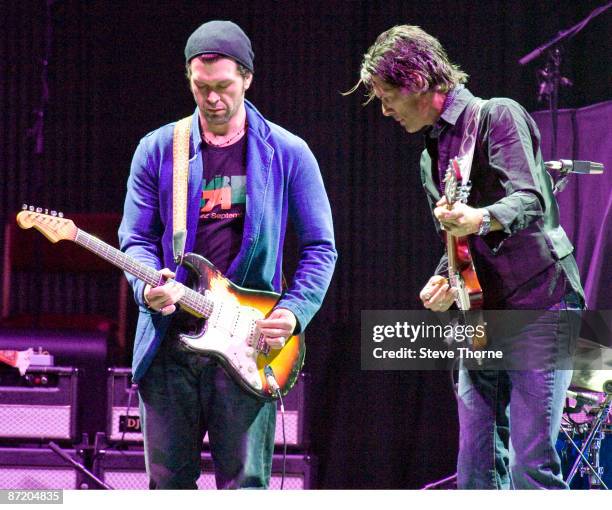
[510, 419]
[183, 395]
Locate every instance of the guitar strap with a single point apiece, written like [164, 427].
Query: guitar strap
[466, 156]
[180, 176]
[468, 143]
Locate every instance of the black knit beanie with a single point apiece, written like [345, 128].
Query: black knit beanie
[222, 37]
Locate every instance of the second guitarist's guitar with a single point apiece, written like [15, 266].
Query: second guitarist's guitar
[461, 271]
[228, 333]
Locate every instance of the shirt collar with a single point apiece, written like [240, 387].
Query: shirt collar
[456, 101]
[461, 98]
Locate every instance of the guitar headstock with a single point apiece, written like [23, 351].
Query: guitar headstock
[51, 224]
[453, 190]
[451, 181]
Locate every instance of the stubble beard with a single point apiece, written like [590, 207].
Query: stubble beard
[217, 120]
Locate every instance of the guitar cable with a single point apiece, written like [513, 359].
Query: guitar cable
[269, 373]
[133, 387]
[282, 409]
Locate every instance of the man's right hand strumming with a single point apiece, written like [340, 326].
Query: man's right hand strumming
[438, 295]
[163, 298]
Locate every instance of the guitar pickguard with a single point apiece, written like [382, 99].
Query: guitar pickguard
[230, 333]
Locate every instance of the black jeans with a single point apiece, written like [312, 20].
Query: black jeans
[184, 395]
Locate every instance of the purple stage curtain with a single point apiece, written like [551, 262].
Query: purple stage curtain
[586, 202]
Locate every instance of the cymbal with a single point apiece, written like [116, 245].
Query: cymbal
[592, 367]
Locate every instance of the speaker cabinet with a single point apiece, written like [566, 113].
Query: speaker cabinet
[82, 350]
[126, 470]
[123, 421]
[40, 406]
[37, 468]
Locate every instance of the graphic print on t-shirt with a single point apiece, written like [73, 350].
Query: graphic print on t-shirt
[223, 197]
[222, 203]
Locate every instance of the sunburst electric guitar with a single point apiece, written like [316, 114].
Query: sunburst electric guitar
[229, 333]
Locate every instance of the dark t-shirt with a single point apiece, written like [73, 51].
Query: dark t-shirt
[222, 209]
[222, 203]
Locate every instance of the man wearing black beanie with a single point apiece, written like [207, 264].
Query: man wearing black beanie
[247, 177]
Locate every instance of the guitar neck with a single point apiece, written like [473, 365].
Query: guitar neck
[450, 252]
[193, 302]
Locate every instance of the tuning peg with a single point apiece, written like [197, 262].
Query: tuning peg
[39, 209]
[53, 213]
[31, 208]
[24, 207]
[60, 214]
[46, 211]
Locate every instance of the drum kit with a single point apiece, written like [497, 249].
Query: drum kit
[585, 440]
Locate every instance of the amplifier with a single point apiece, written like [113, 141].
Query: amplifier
[37, 468]
[126, 470]
[40, 406]
[125, 426]
[86, 351]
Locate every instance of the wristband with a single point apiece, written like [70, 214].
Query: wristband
[485, 224]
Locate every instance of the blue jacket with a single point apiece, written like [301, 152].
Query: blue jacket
[283, 181]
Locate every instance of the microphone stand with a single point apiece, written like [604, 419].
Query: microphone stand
[550, 82]
[592, 444]
[79, 467]
[37, 133]
[549, 76]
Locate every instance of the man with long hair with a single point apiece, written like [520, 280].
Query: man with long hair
[509, 419]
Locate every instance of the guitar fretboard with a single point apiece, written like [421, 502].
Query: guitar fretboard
[192, 301]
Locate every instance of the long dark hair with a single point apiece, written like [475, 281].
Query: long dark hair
[406, 56]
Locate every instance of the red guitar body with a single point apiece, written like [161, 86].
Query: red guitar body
[461, 271]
